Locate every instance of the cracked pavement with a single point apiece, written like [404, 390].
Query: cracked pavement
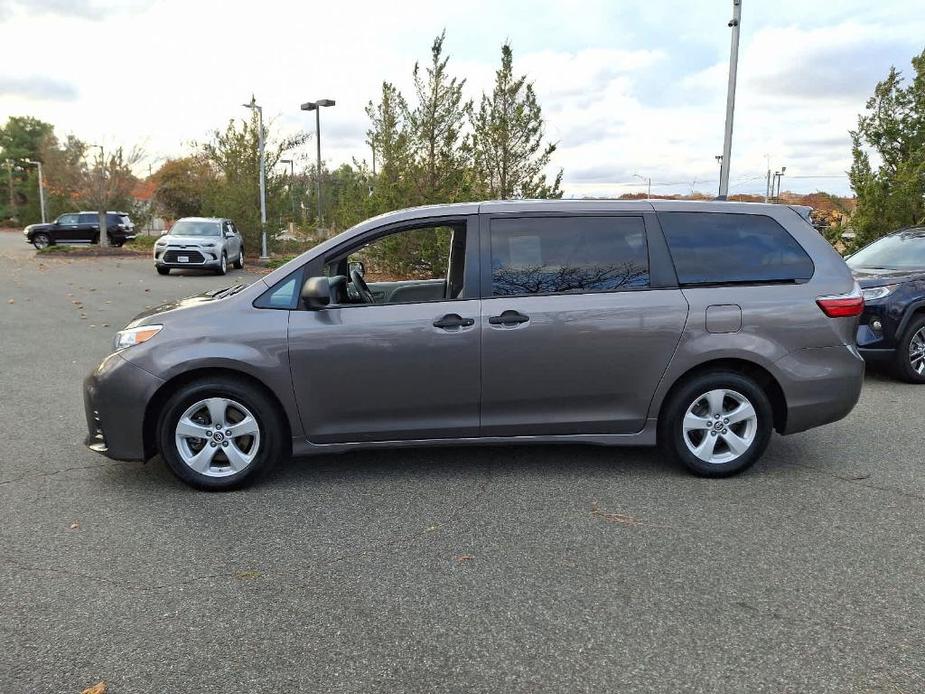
[522, 569]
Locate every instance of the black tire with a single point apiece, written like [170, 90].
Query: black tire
[687, 395]
[903, 359]
[162, 270]
[239, 263]
[223, 267]
[42, 240]
[271, 438]
[116, 244]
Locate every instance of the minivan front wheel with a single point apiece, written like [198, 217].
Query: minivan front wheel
[718, 423]
[218, 434]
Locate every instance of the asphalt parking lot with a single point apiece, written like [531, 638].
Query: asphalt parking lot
[527, 569]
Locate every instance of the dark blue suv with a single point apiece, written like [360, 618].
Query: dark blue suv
[891, 272]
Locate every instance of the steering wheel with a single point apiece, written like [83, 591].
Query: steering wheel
[362, 288]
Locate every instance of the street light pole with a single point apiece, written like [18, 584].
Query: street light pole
[316, 106]
[719, 160]
[648, 183]
[41, 187]
[734, 23]
[263, 166]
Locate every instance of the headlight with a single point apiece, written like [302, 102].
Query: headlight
[874, 293]
[134, 336]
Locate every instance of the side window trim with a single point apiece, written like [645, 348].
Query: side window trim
[485, 219]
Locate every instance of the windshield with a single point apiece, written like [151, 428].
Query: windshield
[897, 252]
[187, 227]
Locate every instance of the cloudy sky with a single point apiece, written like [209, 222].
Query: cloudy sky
[627, 87]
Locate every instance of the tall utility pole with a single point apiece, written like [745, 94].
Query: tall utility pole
[41, 187]
[102, 201]
[648, 184]
[316, 106]
[263, 174]
[719, 160]
[734, 23]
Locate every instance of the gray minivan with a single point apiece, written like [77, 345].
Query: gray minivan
[699, 326]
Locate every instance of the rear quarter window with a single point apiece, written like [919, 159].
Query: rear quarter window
[722, 248]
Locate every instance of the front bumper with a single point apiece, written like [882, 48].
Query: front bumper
[116, 396]
[198, 257]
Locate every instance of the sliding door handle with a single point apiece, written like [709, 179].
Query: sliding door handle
[509, 318]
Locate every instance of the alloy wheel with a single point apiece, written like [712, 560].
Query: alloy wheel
[217, 437]
[40, 241]
[720, 426]
[917, 352]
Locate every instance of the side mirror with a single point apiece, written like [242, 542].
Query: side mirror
[358, 266]
[316, 292]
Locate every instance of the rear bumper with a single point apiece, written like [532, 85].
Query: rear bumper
[821, 385]
[116, 396]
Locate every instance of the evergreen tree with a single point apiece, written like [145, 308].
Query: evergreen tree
[509, 155]
[390, 140]
[438, 144]
[893, 128]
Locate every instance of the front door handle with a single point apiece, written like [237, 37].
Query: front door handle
[509, 318]
[453, 320]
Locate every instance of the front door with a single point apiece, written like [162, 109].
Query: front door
[399, 363]
[67, 228]
[87, 228]
[574, 339]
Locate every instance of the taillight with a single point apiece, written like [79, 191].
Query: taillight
[843, 305]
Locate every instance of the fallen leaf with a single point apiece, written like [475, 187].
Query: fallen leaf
[75, 525]
[148, 289]
[98, 688]
[246, 575]
[464, 557]
[11, 301]
[105, 325]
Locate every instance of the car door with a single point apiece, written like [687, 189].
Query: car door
[87, 228]
[578, 326]
[239, 242]
[392, 371]
[67, 228]
[231, 241]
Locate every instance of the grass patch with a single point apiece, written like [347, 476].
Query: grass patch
[145, 243]
[53, 250]
[274, 263]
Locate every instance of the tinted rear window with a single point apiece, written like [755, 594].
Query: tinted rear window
[718, 248]
[555, 255]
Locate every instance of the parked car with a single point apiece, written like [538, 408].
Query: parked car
[81, 227]
[700, 326]
[199, 242]
[891, 272]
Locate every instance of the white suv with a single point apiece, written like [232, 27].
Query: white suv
[200, 242]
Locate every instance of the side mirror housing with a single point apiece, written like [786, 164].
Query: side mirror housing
[316, 292]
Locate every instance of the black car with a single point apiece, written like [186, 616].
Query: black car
[891, 272]
[81, 227]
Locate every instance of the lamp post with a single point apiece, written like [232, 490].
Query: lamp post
[648, 183]
[102, 202]
[263, 173]
[316, 106]
[41, 186]
[777, 176]
[730, 98]
[291, 179]
[719, 160]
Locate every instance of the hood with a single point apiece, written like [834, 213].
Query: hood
[878, 277]
[190, 241]
[154, 314]
[37, 227]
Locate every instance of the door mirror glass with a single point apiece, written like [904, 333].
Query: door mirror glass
[316, 292]
[357, 266]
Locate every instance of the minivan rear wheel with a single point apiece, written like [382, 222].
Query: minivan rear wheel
[718, 423]
[218, 434]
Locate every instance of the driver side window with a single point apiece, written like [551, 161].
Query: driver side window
[424, 263]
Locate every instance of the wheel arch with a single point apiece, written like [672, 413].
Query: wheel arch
[168, 388]
[756, 372]
[913, 310]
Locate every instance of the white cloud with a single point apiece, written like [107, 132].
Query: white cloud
[167, 73]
